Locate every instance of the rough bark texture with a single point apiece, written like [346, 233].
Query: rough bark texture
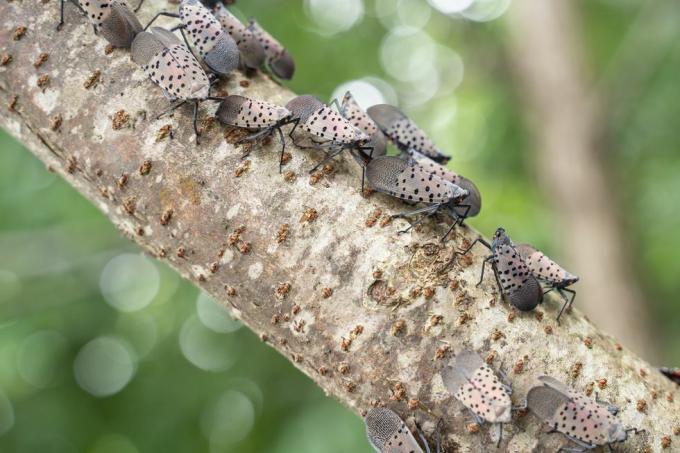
[401, 305]
[566, 120]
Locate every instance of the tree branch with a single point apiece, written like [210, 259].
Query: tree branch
[371, 316]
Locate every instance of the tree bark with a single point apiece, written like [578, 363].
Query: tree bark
[370, 315]
[566, 124]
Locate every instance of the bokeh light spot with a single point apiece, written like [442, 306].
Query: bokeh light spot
[486, 10]
[214, 316]
[228, 420]
[206, 349]
[334, 16]
[6, 414]
[104, 366]
[364, 92]
[129, 282]
[450, 6]
[39, 357]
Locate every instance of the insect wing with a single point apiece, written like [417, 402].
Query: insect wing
[121, 26]
[671, 373]
[204, 30]
[387, 433]
[474, 199]
[327, 124]
[407, 181]
[543, 267]
[97, 11]
[259, 114]
[251, 50]
[351, 110]
[178, 73]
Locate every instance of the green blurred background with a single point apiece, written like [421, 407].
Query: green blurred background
[104, 350]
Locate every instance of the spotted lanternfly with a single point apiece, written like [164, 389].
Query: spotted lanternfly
[214, 45]
[260, 116]
[514, 278]
[404, 133]
[279, 61]
[410, 182]
[353, 113]
[252, 53]
[550, 273]
[171, 66]
[671, 373]
[110, 18]
[476, 385]
[387, 433]
[474, 199]
[325, 128]
[584, 421]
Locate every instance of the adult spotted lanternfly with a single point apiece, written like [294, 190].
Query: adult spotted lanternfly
[671, 373]
[279, 61]
[325, 128]
[515, 280]
[474, 199]
[265, 118]
[353, 113]
[252, 53]
[550, 273]
[404, 133]
[171, 66]
[214, 45]
[587, 423]
[387, 433]
[110, 18]
[475, 384]
[410, 182]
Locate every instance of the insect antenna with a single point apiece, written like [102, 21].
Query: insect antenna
[162, 13]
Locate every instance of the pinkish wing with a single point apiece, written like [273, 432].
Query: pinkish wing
[231, 24]
[486, 396]
[327, 124]
[439, 170]
[202, 27]
[542, 267]
[255, 114]
[178, 74]
[513, 272]
[407, 134]
[351, 110]
[96, 10]
[272, 48]
[583, 419]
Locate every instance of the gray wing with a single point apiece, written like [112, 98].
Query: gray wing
[121, 26]
[545, 401]
[407, 181]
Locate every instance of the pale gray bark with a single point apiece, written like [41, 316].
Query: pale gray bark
[400, 307]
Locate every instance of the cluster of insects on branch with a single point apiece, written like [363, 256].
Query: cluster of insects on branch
[214, 44]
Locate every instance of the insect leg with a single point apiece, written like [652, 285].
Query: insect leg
[61, 14]
[500, 434]
[329, 157]
[419, 221]
[567, 302]
[162, 13]
[481, 277]
[422, 438]
[195, 121]
[139, 6]
[283, 146]
[295, 123]
[170, 109]
[480, 240]
[184, 37]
